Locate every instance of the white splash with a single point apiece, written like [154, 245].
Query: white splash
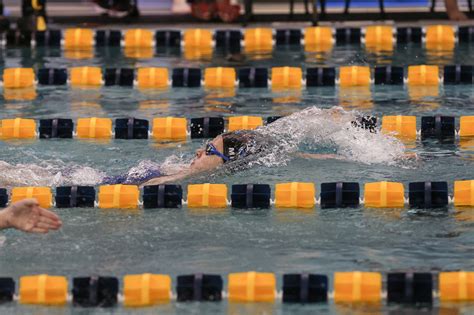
[314, 127]
[48, 173]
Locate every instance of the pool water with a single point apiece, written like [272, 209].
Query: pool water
[182, 241]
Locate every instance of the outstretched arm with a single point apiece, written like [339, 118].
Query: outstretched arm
[317, 156]
[27, 216]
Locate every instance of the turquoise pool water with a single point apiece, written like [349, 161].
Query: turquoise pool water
[174, 242]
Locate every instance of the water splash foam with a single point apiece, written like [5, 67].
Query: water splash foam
[314, 128]
[48, 173]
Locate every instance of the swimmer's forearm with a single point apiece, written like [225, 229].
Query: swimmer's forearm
[320, 156]
[156, 181]
[165, 179]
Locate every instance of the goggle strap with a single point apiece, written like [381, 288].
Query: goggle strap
[214, 151]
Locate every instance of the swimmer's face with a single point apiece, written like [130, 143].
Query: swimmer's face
[203, 162]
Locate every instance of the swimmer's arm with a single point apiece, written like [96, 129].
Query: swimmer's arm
[165, 179]
[320, 156]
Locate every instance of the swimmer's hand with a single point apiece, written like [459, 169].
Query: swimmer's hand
[27, 216]
[320, 156]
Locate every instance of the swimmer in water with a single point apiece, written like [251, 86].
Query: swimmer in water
[225, 148]
[228, 148]
[27, 216]
[275, 144]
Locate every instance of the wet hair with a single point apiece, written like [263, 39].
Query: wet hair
[246, 148]
[238, 144]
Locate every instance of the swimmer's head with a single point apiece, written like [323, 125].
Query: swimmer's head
[237, 144]
[225, 148]
[204, 161]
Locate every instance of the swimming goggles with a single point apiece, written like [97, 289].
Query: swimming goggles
[211, 150]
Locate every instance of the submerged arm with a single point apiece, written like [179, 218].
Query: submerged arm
[317, 156]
